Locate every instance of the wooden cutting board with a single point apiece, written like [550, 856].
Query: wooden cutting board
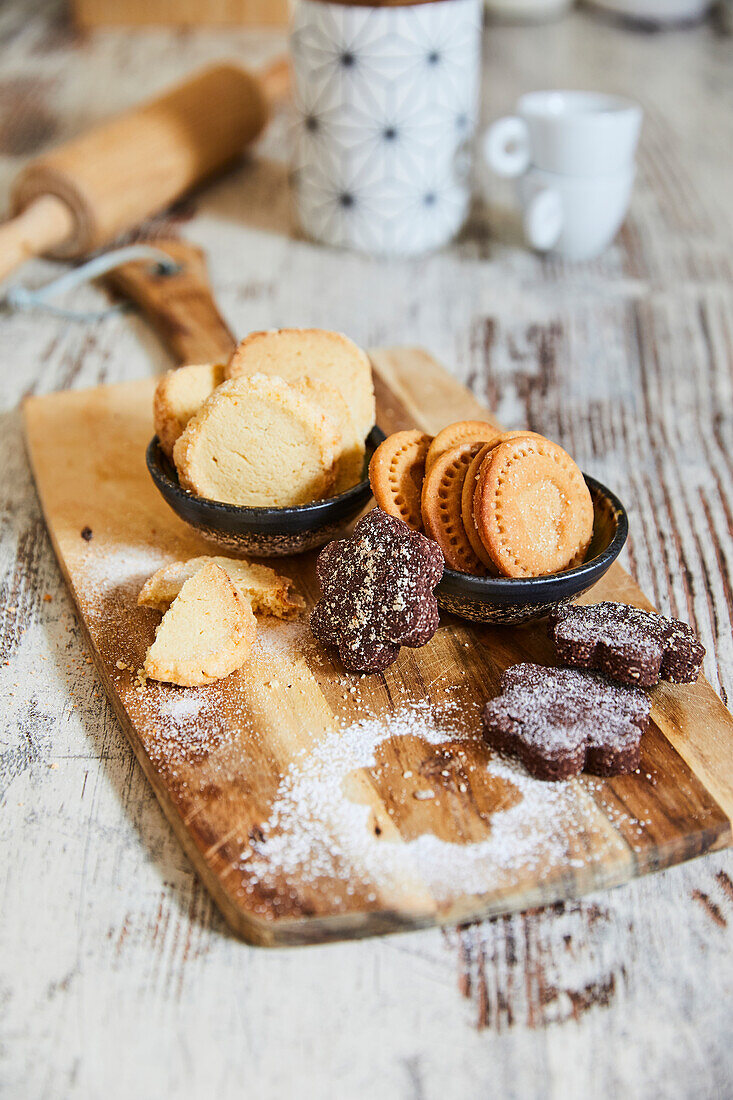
[316, 805]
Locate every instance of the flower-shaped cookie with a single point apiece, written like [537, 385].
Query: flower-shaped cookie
[377, 592]
[559, 722]
[626, 643]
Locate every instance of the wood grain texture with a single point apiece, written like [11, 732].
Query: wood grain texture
[117, 975]
[180, 13]
[180, 306]
[604, 832]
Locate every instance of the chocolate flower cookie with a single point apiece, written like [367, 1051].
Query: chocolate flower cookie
[377, 592]
[626, 643]
[560, 722]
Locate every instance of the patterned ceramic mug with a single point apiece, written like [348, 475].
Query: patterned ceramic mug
[387, 99]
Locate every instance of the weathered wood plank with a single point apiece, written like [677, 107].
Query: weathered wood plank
[221, 771]
[108, 943]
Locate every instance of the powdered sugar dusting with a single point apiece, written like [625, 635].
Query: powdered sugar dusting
[315, 829]
[555, 710]
[327, 819]
[116, 571]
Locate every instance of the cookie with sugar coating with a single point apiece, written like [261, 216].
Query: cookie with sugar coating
[179, 395]
[266, 591]
[258, 442]
[327, 356]
[207, 633]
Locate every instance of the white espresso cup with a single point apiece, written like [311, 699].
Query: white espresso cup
[569, 133]
[571, 216]
[386, 100]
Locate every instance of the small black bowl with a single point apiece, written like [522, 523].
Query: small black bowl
[265, 532]
[520, 600]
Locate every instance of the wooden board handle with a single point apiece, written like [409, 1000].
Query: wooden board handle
[181, 307]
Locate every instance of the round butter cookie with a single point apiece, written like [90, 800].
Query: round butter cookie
[468, 489]
[179, 395]
[258, 442]
[327, 356]
[396, 474]
[350, 453]
[462, 431]
[441, 508]
[467, 431]
[469, 486]
[532, 508]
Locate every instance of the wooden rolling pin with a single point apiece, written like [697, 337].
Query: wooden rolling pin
[77, 197]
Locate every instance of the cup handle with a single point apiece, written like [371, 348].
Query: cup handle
[506, 147]
[543, 219]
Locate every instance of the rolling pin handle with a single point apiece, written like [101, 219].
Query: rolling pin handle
[44, 224]
[276, 80]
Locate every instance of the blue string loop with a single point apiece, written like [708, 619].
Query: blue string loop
[21, 298]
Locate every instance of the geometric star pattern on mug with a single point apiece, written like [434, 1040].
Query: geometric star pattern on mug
[387, 100]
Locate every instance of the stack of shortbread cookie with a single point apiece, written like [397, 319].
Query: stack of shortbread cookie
[282, 424]
[511, 504]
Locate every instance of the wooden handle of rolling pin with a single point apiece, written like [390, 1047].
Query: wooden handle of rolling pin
[181, 307]
[74, 199]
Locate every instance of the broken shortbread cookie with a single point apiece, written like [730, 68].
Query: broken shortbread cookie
[207, 633]
[266, 591]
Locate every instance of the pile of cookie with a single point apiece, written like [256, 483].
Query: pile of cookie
[377, 594]
[591, 716]
[281, 424]
[509, 504]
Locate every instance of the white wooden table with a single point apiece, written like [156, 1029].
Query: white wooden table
[117, 976]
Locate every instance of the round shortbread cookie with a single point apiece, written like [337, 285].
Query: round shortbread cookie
[327, 356]
[532, 508]
[467, 431]
[179, 395]
[441, 508]
[467, 492]
[350, 453]
[469, 486]
[462, 431]
[396, 474]
[258, 442]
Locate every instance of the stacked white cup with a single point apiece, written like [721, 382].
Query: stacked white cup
[573, 156]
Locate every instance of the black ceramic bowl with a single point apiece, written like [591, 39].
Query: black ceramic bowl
[265, 532]
[519, 600]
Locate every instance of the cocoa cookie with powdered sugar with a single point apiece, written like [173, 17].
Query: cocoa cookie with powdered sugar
[377, 592]
[560, 722]
[626, 643]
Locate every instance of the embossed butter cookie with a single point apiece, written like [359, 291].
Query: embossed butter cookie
[396, 473]
[560, 721]
[532, 508]
[468, 431]
[441, 508]
[626, 643]
[377, 592]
